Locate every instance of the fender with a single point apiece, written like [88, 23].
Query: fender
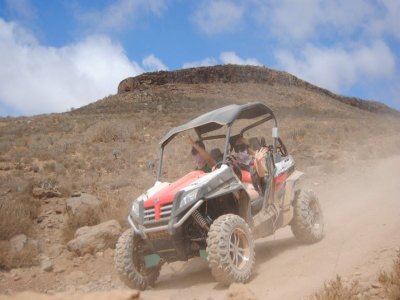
[286, 206]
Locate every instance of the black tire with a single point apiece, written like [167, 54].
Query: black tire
[129, 262]
[308, 221]
[228, 236]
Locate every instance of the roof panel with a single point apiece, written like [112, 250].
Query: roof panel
[220, 117]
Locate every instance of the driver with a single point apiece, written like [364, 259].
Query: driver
[202, 159]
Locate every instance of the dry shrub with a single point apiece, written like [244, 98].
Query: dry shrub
[337, 290]
[16, 215]
[10, 259]
[297, 134]
[106, 134]
[114, 209]
[88, 217]
[391, 281]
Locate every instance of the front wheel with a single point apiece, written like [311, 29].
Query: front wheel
[129, 262]
[230, 248]
[308, 222]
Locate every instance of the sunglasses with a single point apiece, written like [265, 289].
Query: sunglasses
[194, 151]
[240, 148]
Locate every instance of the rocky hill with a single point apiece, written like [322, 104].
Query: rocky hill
[234, 74]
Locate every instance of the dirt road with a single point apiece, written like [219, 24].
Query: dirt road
[362, 220]
[362, 223]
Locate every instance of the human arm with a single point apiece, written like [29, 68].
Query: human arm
[202, 152]
[260, 163]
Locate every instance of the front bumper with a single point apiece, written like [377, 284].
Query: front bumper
[143, 231]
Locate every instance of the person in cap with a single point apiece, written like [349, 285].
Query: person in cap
[202, 159]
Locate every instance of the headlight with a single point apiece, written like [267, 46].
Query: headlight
[189, 197]
[135, 209]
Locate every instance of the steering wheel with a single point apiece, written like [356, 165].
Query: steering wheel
[230, 161]
[281, 148]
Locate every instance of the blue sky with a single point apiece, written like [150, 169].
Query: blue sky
[58, 54]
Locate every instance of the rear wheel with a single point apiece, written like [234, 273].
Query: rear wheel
[308, 222]
[129, 262]
[230, 248]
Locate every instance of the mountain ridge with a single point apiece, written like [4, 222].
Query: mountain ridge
[241, 74]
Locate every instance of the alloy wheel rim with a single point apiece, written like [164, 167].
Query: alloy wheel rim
[239, 248]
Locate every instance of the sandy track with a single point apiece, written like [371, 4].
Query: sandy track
[362, 216]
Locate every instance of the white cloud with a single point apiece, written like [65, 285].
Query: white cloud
[214, 17]
[22, 8]
[291, 20]
[339, 68]
[120, 14]
[38, 79]
[152, 63]
[388, 20]
[209, 61]
[233, 58]
[228, 57]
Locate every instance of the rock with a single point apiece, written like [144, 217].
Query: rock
[91, 239]
[46, 264]
[239, 291]
[41, 193]
[59, 269]
[21, 243]
[376, 285]
[82, 204]
[18, 242]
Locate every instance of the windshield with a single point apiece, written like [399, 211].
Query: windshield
[178, 159]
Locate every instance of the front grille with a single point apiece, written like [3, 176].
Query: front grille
[149, 214]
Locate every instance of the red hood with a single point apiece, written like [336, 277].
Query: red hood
[167, 194]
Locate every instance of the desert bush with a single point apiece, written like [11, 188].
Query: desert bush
[17, 214]
[88, 217]
[297, 134]
[10, 259]
[114, 209]
[391, 281]
[5, 146]
[49, 166]
[106, 133]
[337, 290]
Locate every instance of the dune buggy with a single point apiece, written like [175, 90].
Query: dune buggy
[217, 215]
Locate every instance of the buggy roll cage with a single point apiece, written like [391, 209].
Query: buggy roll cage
[224, 116]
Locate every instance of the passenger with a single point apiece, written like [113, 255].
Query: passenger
[203, 160]
[251, 161]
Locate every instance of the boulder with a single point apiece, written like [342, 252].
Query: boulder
[46, 264]
[42, 193]
[91, 239]
[82, 204]
[21, 243]
[18, 242]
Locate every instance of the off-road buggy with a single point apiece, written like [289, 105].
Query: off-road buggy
[217, 215]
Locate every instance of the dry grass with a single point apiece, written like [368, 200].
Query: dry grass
[114, 209]
[391, 280]
[88, 217]
[10, 259]
[337, 290]
[16, 215]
